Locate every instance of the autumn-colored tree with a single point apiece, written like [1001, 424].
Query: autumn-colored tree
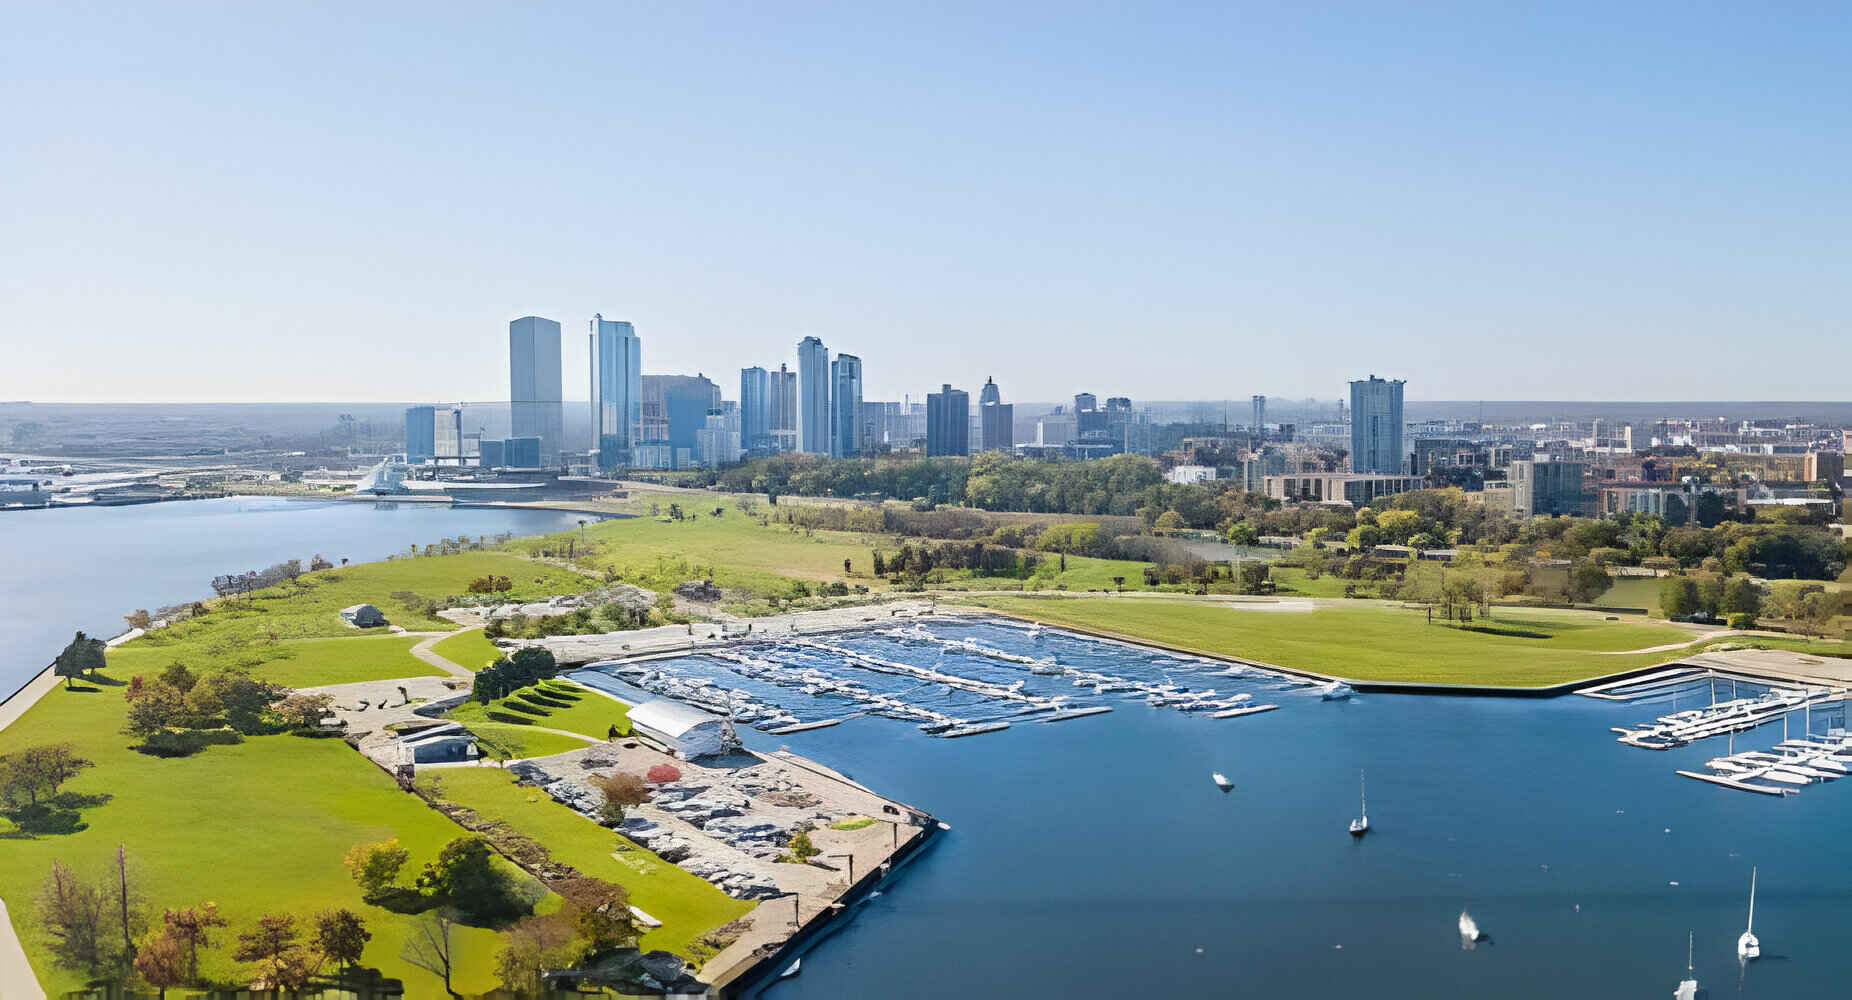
[600, 910]
[534, 945]
[341, 937]
[161, 961]
[376, 866]
[192, 928]
[303, 711]
[620, 790]
[663, 773]
[800, 847]
[71, 912]
[275, 945]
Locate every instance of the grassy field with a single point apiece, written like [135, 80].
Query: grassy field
[293, 662]
[1371, 641]
[293, 634]
[686, 905]
[514, 727]
[469, 649]
[1633, 592]
[258, 827]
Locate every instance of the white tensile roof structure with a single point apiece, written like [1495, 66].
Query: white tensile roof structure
[685, 730]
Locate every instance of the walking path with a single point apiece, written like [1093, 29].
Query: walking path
[424, 652]
[16, 978]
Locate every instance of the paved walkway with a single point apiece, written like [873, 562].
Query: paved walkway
[424, 652]
[16, 979]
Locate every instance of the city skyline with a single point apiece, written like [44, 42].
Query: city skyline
[1231, 186]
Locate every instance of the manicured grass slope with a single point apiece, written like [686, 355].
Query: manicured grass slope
[291, 662]
[686, 905]
[516, 725]
[1371, 641]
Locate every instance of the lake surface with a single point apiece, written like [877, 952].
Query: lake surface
[1095, 858]
[84, 568]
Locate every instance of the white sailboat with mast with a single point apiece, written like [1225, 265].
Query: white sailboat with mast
[1687, 987]
[1747, 947]
[1361, 825]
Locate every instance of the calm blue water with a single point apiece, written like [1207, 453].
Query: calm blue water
[1094, 857]
[69, 569]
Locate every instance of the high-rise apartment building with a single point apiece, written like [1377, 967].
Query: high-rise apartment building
[948, 422]
[1376, 426]
[813, 397]
[675, 409]
[756, 410]
[996, 419]
[534, 395]
[1548, 488]
[846, 406]
[420, 434]
[619, 408]
[1258, 422]
[783, 405]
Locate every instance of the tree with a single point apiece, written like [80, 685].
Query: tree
[601, 912]
[83, 657]
[845, 568]
[1678, 596]
[536, 944]
[71, 913]
[139, 618]
[1741, 599]
[1587, 581]
[162, 961]
[341, 937]
[275, 945]
[620, 790]
[38, 772]
[192, 928]
[125, 904]
[1709, 509]
[303, 711]
[464, 877]
[800, 847]
[376, 866]
[427, 946]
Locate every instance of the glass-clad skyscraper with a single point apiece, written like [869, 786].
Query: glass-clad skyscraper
[846, 406]
[534, 393]
[1376, 426]
[813, 397]
[620, 386]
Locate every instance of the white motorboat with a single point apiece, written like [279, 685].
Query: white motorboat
[1221, 781]
[1469, 928]
[1687, 987]
[796, 966]
[1747, 947]
[1361, 825]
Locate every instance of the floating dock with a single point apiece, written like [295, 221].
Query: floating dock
[1741, 786]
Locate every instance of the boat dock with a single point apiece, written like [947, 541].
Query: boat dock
[1744, 786]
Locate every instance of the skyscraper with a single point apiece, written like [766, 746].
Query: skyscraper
[996, 419]
[534, 394]
[756, 410]
[813, 397]
[782, 402]
[1376, 426]
[620, 385]
[420, 434]
[1259, 422]
[846, 406]
[675, 411]
[948, 422]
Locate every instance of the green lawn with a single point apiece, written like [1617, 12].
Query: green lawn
[1370, 641]
[469, 649]
[293, 633]
[292, 662]
[514, 725]
[1633, 592]
[258, 827]
[686, 905]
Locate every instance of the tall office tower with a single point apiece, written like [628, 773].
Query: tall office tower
[620, 386]
[813, 397]
[1376, 426]
[756, 410]
[675, 410]
[948, 422]
[846, 406]
[534, 395]
[781, 400]
[996, 419]
[447, 436]
[420, 434]
[1259, 423]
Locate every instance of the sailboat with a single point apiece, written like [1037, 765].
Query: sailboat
[1221, 781]
[1361, 825]
[1688, 987]
[1747, 947]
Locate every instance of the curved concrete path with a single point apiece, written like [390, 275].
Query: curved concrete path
[424, 652]
[16, 978]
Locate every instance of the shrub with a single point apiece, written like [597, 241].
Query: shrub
[662, 773]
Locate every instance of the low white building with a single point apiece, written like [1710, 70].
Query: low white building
[1191, 474]
[682, 729]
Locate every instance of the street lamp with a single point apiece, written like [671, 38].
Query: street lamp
[851, 859]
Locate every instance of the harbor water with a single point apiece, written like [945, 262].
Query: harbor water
[1094, 857]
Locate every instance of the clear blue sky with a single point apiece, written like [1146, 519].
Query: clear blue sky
[1601, 201]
